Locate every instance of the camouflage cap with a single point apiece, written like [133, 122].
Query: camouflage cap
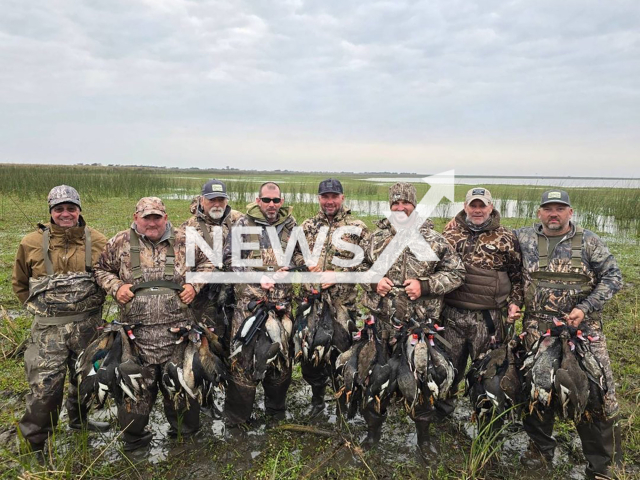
[402, 191]
[63, 194]
[479, 193]
[330, 185]
[150, 206]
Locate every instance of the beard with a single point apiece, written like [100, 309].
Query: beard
[216, 213]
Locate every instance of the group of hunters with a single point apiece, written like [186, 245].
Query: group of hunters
[486, 277]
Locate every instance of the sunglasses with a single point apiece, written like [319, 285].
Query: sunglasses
[269, 200]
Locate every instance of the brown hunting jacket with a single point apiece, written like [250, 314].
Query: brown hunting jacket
[66, 248]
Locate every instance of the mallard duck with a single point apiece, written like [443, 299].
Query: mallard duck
[130, 372]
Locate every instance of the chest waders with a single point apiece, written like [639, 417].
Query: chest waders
[58, 299]
[570, 287]
[152, 287]
[156, 305]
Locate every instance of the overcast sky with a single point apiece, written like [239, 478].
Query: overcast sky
[493, 87]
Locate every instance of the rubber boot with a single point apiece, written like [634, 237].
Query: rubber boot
[238, 403]
[275, 397]
[135, 435]
[425, 445]
[374, 428]
[542, 445]
[317, 401]
[78, 419]
[601, 445]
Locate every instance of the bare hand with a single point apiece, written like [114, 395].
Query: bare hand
[575, 318]
[315, 268]
[124, 294]
[187, 294]
[328, 279]
[413, 289]
[384, 286]
[513, 313]
[266, 283]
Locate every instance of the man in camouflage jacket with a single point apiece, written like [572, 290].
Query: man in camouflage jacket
[267, 211]
[411, 289]
[151, 310]
[472, 315]
[214, 303]
[332, 215]
[556, 237]
[62, 329]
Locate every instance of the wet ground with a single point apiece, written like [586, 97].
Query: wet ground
[328, 451]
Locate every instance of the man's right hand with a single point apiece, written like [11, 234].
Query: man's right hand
[267, 284]
[124, 294]
[384, 286]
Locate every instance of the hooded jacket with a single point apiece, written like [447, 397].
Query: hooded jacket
[493, 263]
[66, 248]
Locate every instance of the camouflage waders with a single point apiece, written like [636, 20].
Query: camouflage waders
[156, 307]
[68, 310]
[579, 273]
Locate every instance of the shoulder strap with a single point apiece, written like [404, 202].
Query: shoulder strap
[134, 256]
[87, 250]
[576, 248]
[136, 270]
[543, 251]
[205, 232]
[48, 265]
[169, 264]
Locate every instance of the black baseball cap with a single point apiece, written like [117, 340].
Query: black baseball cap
[555, 196]
[330, 185]
[214, 189]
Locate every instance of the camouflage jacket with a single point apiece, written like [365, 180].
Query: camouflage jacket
[66, 248]
[312, 226]
[153, 314]
[598, 264]
[494, 248]
[113, 268]
[436, 278]
[284, 226]
[229, 217]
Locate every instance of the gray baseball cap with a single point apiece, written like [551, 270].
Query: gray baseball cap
[214, 189]
[63, 194]
[555, 196]
[330, 185]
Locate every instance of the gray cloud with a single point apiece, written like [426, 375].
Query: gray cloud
[369, 85]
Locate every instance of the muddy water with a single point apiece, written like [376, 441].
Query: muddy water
[212, 452]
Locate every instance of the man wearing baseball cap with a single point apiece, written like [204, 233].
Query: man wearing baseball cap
[318, 364]
[51, 274]
[569, 274]
[143, 269]
[492, 291]
[214, 304]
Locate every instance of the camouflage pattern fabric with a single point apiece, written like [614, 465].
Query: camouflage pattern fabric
[494, 248]
[605, 280]
[150, 206]
[64, 294]
[66, 250]
[442, 276]
[343, 296]
[214, 303]
[403, 191]
[50, 351]
[283, 292]
[156, 313]
[240, 394]
[63, 194]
